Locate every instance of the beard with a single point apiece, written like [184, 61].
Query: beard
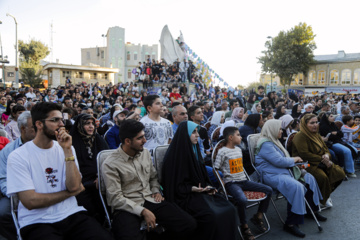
[48, 133]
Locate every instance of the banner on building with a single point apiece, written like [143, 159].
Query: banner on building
[351, 90]
[314, 91]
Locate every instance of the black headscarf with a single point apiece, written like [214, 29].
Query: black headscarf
[182, 169]
[250, 99]
[253, 120]
[327, 127]
[294, 112]
[87, 147]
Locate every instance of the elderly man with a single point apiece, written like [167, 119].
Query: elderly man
[7, 228]
[345, 111]
[309, 108]
[354, 108]
[179, 114]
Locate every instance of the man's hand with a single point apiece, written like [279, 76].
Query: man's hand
[96, 183]
[158, 197]
[149, 218]
[63, 138]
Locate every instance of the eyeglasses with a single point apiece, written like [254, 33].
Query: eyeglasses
[55, 120]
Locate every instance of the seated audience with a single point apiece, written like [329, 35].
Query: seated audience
[133, 191]
[309, 145]
[186, 183]
[272, 161]
[12, 128]
[229, 161]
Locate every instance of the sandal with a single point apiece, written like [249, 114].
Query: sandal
[246, 233]
[259, 223]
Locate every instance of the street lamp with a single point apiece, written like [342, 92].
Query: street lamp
[104, 36]
[269, 37]
[16, 52]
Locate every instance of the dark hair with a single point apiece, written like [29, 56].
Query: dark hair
[68, 111]
[192, 109]
[296, 122]
[356, 116]
[265, 114]
[325, 105]
[149, 100]
[175, 104]
[261, 87]
[347, 118]
[17, 108]
[8, 110]
[229, 131]
[200, 104]
[41, 111]
[66, 98]
[280, 100]
[129, 128]
[232, 102]
[132, 106]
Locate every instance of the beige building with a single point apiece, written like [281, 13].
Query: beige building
[9, 73]
[56, 74]
[119, 54]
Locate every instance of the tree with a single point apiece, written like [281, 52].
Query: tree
[31, 55]
[289, 53]
[253, 85]
[239, 86]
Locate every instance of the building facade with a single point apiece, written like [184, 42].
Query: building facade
[338, 73]
[119, 54]
[56, 74]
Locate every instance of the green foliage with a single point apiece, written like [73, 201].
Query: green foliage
[239, 86]
[289, 53]
[253, 85]
[31, 55]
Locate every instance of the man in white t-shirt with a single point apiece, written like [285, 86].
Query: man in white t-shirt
[30, 94]
[44, 174]
[158, 130]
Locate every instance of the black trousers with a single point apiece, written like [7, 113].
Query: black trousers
[77, 226]
[178, 223]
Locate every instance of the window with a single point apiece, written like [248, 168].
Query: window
[120, 43]
[93, 76]
[321, 78]
[356, 76]
[88, 55]
[50, 74]
[119, 63]
[79, 75]
[105, 76]
[311, 78]
[135, 56]
[10, 74]
[128, 56]
[113, 42]
[334, 77]
[129, 74]
[346, 76]
[66, 73]
[102, 54]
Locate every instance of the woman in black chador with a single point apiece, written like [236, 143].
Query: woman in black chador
[88, 143]
[185, 182]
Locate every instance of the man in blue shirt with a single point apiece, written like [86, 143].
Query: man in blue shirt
[113, 137]
[7, 227]
[179, 114]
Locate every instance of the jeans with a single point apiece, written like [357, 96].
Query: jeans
[237, 188]
[7, 227]
[345, 154]
[212, 176]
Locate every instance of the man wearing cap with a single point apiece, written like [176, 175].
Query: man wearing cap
[113, 137]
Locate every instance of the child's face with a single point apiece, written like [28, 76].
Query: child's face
[357, 121]
[236, 138]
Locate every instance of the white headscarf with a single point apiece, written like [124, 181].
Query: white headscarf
[229, 123]
[253, 109]
[270, 131]
[285, 121]
[216, 118]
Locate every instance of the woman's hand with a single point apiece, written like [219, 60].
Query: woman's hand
[334, 132]
[297, 160]
[325, 139]
[197, 189]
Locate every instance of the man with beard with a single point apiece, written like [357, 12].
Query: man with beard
[133, 190]
[44, 174]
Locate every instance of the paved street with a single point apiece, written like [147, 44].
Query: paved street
[343, 219]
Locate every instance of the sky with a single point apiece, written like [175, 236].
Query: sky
[228, 35]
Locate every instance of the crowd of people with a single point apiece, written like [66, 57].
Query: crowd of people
[51, 138]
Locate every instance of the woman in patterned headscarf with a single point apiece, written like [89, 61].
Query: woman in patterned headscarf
[88, 143]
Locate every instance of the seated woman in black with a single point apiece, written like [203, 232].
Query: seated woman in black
[88, 143]
[186, 183]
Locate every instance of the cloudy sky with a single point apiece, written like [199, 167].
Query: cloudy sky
[228, 35]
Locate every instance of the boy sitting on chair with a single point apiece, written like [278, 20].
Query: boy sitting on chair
[229, 161]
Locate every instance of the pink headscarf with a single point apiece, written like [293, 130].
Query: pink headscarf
[235, 114]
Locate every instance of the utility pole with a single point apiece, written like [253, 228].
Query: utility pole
[16, 52]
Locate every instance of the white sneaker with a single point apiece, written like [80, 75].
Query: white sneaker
[329, 203]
